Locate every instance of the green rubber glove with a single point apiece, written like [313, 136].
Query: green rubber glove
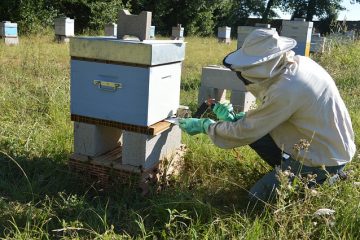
[239, 115]
[194, 126]
[225, 112]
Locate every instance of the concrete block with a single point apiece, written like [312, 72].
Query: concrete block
[145, 151]
[64, 26]
[95, 140]
[221, 77]
[134, 25]
[242, 101]
[111, 29]
[177, 32]
[11, 40]
[215, 80]
[211, 92]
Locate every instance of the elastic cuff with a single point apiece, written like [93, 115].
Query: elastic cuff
[206, 123]
[240, 115]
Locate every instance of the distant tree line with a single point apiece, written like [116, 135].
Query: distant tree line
[199, 17]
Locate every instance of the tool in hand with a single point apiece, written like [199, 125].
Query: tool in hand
[209, 103]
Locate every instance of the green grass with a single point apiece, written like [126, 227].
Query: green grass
[41, 199]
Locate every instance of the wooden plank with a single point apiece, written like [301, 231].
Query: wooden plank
[154, 129]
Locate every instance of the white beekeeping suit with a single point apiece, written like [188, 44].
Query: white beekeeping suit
[298, 100]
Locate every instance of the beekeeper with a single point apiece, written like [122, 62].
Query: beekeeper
[301, 122]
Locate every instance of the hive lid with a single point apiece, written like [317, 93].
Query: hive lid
[147, 52]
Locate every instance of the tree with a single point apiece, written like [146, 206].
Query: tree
[268, 10]
[311, 8]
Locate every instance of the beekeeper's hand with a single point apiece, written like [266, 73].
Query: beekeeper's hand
[194, 126]
[225, 112]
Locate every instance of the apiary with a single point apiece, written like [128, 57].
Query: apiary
[224, 34]
[244, 31]
[64, 28]
[111, 29]
[301, 31]
[9, 33]
[217, 80]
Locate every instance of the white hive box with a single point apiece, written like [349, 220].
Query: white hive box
[177, 32]
[111, 29]
[8, 29]
[301, 31]
[64, 26]
[129, 82]
[224, 32]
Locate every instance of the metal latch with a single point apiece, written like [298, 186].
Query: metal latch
[107, 86]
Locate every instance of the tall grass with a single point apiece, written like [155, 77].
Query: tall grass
[41, 199]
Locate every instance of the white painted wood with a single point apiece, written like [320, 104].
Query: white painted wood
[224, 32]
[164, 91]
[64, 26]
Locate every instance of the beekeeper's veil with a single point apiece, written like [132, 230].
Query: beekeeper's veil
[263, 55]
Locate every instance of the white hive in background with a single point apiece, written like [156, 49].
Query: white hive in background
[64, 29]
[9, 33]
[301, 31]
[111, 29]
[224, 34]
[177, 33]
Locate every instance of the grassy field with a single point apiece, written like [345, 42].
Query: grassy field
[41, 199]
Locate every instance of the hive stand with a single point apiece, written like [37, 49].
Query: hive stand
[134, 25]
[215, 80]
[9, 33]
[106, 152]
[224, 34]
[121, 91]
[64, 29]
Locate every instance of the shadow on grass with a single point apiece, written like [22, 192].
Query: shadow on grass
[53, 197]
